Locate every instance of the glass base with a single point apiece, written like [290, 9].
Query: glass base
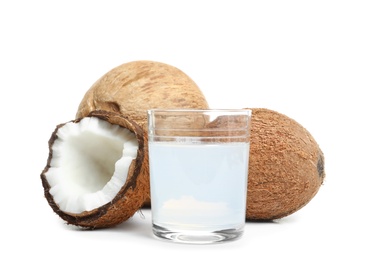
[197, 237]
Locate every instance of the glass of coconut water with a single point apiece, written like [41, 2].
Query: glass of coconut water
[198, 173]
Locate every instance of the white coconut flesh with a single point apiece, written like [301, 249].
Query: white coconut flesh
[90, 164]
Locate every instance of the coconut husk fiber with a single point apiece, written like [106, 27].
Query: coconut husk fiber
[286, 166]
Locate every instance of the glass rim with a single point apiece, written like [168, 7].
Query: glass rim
[197, 123]
[197, 110]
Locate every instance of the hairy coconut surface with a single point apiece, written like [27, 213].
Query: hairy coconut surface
[135, 87]
[96, 174]
[286, 166]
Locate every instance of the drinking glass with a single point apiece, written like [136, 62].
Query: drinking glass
[198, 173]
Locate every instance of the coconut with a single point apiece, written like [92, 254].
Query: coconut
[94, 173]
[133, 88]
[286, 166]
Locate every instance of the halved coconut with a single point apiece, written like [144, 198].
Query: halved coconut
[94, 175]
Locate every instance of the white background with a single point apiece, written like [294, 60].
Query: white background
[311, 60]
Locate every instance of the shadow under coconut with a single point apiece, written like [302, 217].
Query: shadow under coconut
[282, 221]
[139, 224]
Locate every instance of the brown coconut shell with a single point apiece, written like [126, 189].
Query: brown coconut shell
[135, 87]
[286, 166]
[130, 197]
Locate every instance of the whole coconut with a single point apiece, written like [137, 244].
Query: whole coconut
[286, 166]
[135, 87]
